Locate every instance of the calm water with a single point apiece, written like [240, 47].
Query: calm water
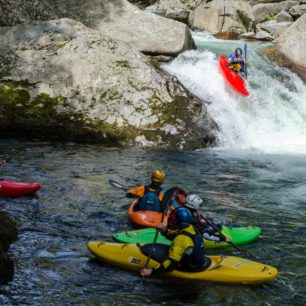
[76, 204]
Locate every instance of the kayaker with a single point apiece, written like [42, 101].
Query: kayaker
[150, 196]
[187, 248]
[236, 62]
[192, 203]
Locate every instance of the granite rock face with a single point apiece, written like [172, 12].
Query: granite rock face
[62, 79]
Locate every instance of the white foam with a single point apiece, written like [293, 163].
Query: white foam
[271, 120]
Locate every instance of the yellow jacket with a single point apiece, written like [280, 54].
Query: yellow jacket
[181, 245]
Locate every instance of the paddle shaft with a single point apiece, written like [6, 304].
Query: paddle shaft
[245, 61]
[161, 221]
[234, 245]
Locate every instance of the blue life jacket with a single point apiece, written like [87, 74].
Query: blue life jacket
[150, 200]
[235, 60]
[197, 257]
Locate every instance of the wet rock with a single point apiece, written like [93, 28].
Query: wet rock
[60, 79]
[8, 234]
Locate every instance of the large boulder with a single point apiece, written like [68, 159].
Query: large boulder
[292, 45]
[275, 29]
[223, 16]
[61, 79]
[8, 234]
[268, 11]
[148, 32]
[117, 18]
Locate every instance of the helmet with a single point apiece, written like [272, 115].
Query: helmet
[238, 52]
[194, 201]
[158, 176]
[182, 216]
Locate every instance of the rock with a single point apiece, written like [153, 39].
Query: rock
[156, 35]
[142, 3]
[274, 28]
[181, 15]
[264, 12]
[176, 4]
[297, 11]
[223, 16]
[8, 234]
[60, 79]
[263, 35]
[292, 45]
[227, 35]
[283, 16]
[119, 19]
[302, 2]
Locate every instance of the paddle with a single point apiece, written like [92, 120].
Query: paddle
[118, 185]
[245, 60]
[170, 195]
[234, 245]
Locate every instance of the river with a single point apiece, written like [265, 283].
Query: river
[255, 177]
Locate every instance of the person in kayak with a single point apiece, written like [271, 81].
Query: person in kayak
[150, 196]
[236, 62]
[187, 249]
[192, 203]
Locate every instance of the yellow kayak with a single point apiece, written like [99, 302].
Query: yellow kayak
[226, 269]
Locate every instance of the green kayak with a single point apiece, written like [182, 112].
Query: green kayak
[239, 235]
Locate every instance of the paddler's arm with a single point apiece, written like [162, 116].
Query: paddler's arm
[137, 192]
[176, 252]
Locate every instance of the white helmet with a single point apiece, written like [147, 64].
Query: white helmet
[194, 201]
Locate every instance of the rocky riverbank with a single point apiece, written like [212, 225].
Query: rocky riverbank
[8, 233]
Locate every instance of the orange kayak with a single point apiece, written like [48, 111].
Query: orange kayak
[144, 218]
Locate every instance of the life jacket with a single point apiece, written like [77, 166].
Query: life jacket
[197, 256]
[151, 199]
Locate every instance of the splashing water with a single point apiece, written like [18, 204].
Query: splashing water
[271, 120]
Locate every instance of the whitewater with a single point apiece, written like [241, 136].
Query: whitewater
[271, 120]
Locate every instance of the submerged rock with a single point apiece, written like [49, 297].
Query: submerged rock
[61, 79]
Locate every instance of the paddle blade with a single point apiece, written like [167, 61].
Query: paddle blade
[118, 185]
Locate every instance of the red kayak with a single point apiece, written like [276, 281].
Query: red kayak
[233, 79]
[14, 189]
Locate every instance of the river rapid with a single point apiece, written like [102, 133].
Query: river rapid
[255, 177]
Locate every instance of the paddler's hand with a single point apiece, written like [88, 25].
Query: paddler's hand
[161, 228]
[145, 272]
[228, 240]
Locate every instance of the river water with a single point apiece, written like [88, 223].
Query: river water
[253, 178]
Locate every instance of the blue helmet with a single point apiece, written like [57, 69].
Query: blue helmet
[182, 216]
